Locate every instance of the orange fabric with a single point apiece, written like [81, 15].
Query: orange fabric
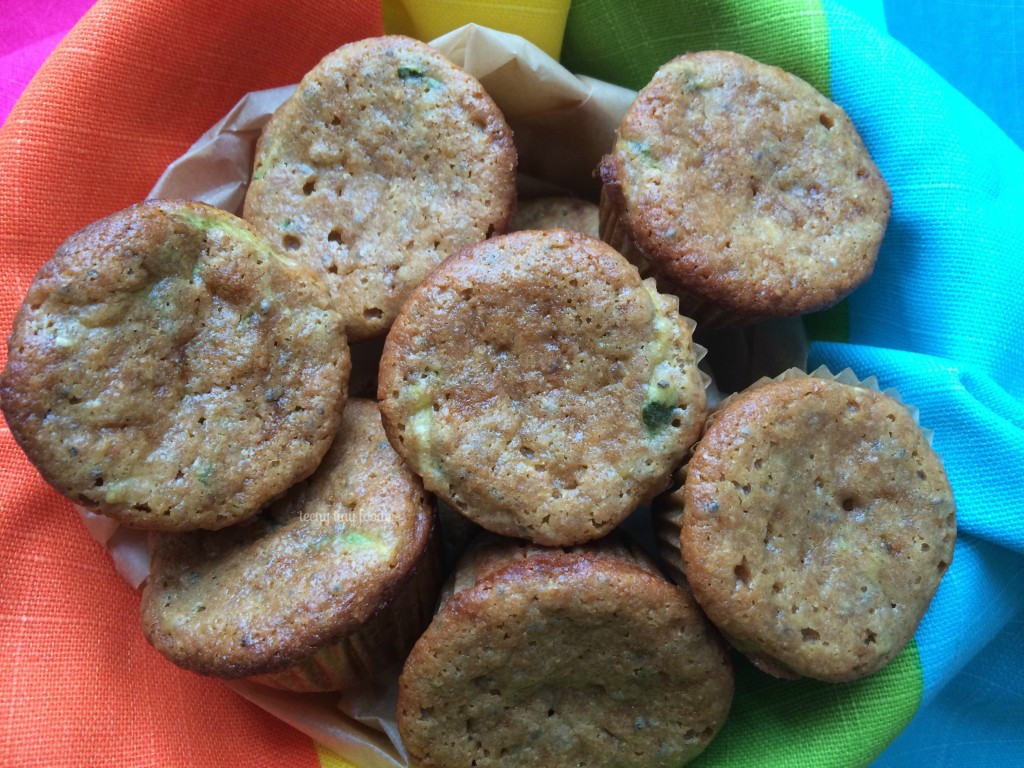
[128, 90]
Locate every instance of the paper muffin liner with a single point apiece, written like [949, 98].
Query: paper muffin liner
[614, 231]
[668, 509]
[381, 642]
[699, 351]
[667, 518]
[846, 376]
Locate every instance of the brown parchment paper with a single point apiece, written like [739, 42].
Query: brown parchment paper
[562, 124]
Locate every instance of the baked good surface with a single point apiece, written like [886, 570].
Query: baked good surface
[385, 160]
[317, 566]
[817, 524]
[170, 369]
[745, 189]
[557, 213]
[540, 387]
[554, 658]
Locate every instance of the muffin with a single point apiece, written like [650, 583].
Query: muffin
[172, 370]
[329, 585]
[744, 189]
[814, 525]
[540, 387]
[557, 213]
[385, 160]
[563, 658]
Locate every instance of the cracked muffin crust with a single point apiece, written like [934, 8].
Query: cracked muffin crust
[540, 387]
[586, 657]
[816, 524]
[385, 160]
[743, 188]
[170, 369]
[326, 587]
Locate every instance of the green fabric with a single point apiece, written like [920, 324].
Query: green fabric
[831, 325]
[783, 723]
[792, 34]
[773, 722]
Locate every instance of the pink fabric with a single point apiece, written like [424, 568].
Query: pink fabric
[29, 30]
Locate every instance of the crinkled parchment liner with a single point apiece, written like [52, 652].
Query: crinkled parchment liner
[562, 125]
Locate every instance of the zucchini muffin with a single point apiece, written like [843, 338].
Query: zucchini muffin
[540, 387]
[385, 160]
[563, 658]
[743, 188]
[328, 586]
[557, 213]
[172, 370]
[814, 525]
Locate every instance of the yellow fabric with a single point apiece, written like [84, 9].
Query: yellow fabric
[330, 760]
[542, 22]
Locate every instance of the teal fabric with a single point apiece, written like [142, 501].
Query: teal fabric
[942, 319]
[975, 45]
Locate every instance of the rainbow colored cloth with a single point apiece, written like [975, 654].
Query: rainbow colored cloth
[942, 320]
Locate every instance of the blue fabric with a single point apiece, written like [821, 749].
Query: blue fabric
[942, 320]
[975, 45]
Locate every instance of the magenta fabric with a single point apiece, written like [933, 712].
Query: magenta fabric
[29, 30]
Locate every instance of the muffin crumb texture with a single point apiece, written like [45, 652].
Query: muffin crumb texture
[319, 567]
[385, 160]
[540, 387]
[817, 525]
[565, 658]
[745, 189]
[170, 369]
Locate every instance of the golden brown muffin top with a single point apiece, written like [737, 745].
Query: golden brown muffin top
[385, 160]
[540, 387]
[817, 525]
[313, 567]
[553, 658]
[557, 213]
[172, 370]
[746, 187]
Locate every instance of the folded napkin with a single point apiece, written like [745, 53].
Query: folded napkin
[135, 83]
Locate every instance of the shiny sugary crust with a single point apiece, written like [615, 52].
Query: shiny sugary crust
[817, 523]
[555, 658]
[314, 568]
[385, 160]
[746, 188]
[557, 213]
[170, 369]
[540, 387]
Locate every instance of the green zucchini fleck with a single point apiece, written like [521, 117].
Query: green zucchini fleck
[355, 539]
[657, 415]
[203, 475]
[412, 73]
[642, 150]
